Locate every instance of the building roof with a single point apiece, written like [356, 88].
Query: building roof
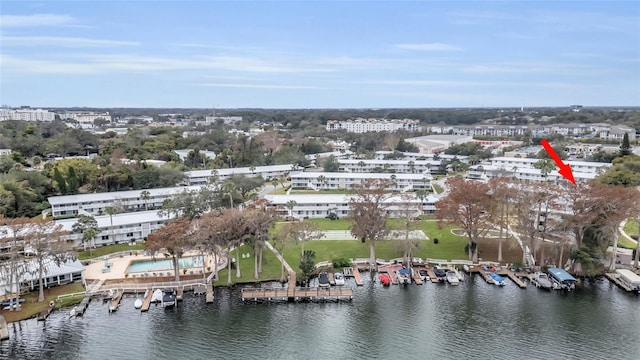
[361, 175]
[51, 269]
[303, 199]
[104, 221]
[388, 162]
[240, 170]
[560, 274]
[128, 194]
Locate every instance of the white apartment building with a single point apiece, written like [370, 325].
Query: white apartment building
[396, 166]
[27, 114]
[362, 125]
[408, 156]
[227, 120]
[85, 117]
[126, 228]
[5, 152]
[183, 153]
[130, 200]
[341, 180]
[511, 163]
[202, 177]
[320, 206]
[487, 172]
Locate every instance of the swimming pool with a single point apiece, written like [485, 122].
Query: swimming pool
[166, 264]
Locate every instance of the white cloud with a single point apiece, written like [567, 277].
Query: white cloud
[428, 47]
[257, 86]
[34, 20]
[62, 41]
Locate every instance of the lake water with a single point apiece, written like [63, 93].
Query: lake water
[472, 321]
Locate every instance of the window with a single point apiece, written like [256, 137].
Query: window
[129, 234]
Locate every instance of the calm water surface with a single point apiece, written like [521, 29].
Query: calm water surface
[473, 320]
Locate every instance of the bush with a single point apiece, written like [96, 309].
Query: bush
[340, 263]
[332, 216]
[436, 241]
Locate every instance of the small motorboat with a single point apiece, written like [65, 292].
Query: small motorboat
[157, 296]
[452, 278]
[497, 279]
[137, 304]
[424, 274]
[338, 278]
[404, 276]
[541, 281]
[323, 279]
[169, 298]
[441, 274]
[385, 280]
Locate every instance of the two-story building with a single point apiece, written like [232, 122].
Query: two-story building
[338, 180]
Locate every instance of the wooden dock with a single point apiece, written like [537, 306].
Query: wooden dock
[115, 301]
[432, 275]
[4, 331]
[416, 277]
[515, 278]
[146, 303]
[209, 294]
[615, 278]
[179, 294]
[485, 274]
[357, 277]
[299, 294]
[393, 277]
[44, 314]
[332, 281]
[82, 306]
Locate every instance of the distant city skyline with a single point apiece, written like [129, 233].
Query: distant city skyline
[302, 54]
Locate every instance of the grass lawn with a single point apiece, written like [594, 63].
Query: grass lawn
[624, 243]
[270, 268]
[31, 307]
[437, 188]
[109, 249]
[631, 227]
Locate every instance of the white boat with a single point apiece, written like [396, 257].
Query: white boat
[541, 281]
[338, 278]
[404, 276]
[137, 304]
[452, 278]
[157, 296]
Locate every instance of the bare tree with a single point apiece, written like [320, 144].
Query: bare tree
[282, 237]
[260, 221]
[304, 231]
[174, 238]
[408, 244]
[14, 240]
[467, 204]
[369, 215]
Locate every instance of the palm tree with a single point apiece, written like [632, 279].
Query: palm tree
[322, 180]
[144, 196]
[111, 210]
[412, 166]
[361, 165]
[290, 205]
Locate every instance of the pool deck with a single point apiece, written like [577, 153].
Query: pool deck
[119, 265]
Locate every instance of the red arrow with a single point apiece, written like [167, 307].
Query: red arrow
[565, 169]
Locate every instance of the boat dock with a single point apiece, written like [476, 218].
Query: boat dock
[146, 303]
[332, 280]
[291, 286]
[44, 314]
[432, 275]
[514, 277]
[82, 306]
[393, 277]
[179, 293]
[357, 277]
[297, 294]
[416, 277]
[615, 278]
[209, 293]
[502, 272]
[115, 301]
[4, 331]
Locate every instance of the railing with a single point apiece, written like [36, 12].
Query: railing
[145, 286]
[63, 296]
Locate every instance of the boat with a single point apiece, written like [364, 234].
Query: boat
[168, 298]
[73, 312]
[441, 274]
[138, 303]
[497, 279]
[385, 280]
[323, 279]
[424, 274]
[452, 278]
[404, 276]
[12, 301]
[541, 281]
[338, 278]
[157, 296]
[561, 279]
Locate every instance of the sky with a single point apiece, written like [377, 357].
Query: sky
[325, 54]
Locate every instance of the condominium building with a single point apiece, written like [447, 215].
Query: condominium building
[127, 201]
[26, 114]
[320, 206]
[396, 166]
[85, 117]
[202, 177]
[362, 125]
[510, 163]
[338, 180]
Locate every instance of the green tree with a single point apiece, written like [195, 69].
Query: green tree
[331, 164]
[88, 227]
[625, 147]
[545, 166]
[307, 264]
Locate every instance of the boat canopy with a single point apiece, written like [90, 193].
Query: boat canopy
[404, 271]
[561, 275]
[629, 276]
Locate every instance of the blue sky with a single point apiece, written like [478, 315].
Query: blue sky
[329, 54]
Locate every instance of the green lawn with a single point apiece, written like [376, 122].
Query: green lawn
[437, 188]
[270, 268]
[31, 307]
[109, 249]
[449, 246]
[631, 227]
